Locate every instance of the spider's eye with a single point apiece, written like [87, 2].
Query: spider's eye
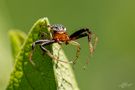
[56, 27]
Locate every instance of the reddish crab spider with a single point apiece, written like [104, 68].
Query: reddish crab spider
[59, 35]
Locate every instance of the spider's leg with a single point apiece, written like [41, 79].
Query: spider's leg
[45, 50]
[83, 33]
[48, 52]
[78, 50]
[33, 47]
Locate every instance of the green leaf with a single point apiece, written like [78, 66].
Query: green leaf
[17, 38]
[45, 74]
[63, 71]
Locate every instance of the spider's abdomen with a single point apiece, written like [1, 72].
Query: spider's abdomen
[61, 37]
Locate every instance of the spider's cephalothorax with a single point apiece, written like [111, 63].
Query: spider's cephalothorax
[59, 35]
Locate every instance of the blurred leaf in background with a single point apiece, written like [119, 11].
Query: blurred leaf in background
[113, 63]
[17, 38]
[5, 52]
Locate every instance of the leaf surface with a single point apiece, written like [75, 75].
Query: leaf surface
[45, 74]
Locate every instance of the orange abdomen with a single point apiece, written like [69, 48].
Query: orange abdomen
[61, 37]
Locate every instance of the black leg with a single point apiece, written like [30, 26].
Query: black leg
[33, 47]
[81, 33]
[46, 43]
[38, 42]
[45, 50]
[85, 32]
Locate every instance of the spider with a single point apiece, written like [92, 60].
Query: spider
[59, 35]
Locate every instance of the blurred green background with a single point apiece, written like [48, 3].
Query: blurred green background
[113, 65]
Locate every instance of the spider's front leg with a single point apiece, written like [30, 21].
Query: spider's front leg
[33, 47]
[45, 50]
[42, 44]
[83, 33]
